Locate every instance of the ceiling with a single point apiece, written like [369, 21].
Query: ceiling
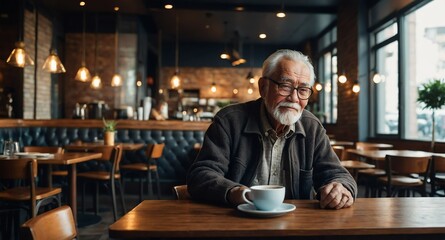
[204, 20]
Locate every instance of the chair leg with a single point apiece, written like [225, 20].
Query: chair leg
[158, 185]
[83, 197]
[150, 184]
[113, 197]
[141, 188]
[122, 196]
[96, 199]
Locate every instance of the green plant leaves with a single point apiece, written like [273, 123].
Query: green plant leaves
[432, 94]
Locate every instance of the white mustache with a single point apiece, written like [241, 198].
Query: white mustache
[291, 105]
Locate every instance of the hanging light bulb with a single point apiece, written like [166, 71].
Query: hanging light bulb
[19, 57]
[83, 74]
[213, 88]
[225, 54]
[235, 91]
[377, 78]
[116, 81]
[250, 90]
[318, 86]
[250, 77]
[53, 64]
[96, 82]
[342, 78]
[356, 87]
[175, 81]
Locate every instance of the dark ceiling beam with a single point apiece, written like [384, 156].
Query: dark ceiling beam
[184, 5]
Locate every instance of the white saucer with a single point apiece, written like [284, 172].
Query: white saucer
[34, 155]
[281, 210]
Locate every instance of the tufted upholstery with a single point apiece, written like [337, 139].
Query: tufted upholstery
[172, 167]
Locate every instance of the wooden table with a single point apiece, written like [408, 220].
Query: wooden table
[371, 145]
[341, 143]
[382, 218]
[71, 159]
[379, 155]
[92, 145]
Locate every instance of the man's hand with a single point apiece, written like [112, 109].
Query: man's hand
[335, 195]
[235, 195]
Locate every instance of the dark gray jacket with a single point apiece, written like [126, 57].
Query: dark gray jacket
[232, 149]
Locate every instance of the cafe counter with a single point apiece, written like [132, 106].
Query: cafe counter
[179, 138]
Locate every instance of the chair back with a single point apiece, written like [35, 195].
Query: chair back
[20, 169]
[56, 224]
[407, 165]
[117, 157]
[155, 150]
[181, 192]
[438, 164]
[43, 149]
[339, 151]
[106, 151]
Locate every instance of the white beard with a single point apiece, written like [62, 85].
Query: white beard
[288, 117]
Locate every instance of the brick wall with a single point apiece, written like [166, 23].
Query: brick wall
[226, 80]
[43, 78]
[347, 45]
[76, 91]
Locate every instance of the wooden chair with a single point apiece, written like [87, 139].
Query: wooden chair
[353, 166]
[106, 174]
[339, 151]
[403, 174]
[181, 192]
[153, 152]
[437, 175]
[369, 176]
[48, 149]
[34, 197]
[56, 224]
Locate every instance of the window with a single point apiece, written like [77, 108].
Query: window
[386, 80]
[425, 60]
[406, 52]
[327, 77]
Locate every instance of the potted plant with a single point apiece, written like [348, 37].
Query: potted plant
[109, 131]
[432, 95]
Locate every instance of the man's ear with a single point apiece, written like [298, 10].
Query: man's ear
[262, 85]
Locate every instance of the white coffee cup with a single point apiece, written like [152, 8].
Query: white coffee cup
[265, 197]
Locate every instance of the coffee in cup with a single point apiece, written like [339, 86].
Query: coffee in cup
[265, 197]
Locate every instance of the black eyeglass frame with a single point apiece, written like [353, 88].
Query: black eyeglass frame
[282, 84]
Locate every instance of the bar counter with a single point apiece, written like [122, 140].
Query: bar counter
[122, 124]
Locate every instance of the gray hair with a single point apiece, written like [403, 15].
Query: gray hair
[270, 63]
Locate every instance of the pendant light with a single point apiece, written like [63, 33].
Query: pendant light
[342, 78]
[96, 82]
[250, 76]
[19, 57]
[175, 81]
[83, 74]
[116, 81]
[356, 87]
[225, 54]
[52, 63]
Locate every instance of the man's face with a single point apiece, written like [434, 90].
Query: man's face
[286, 110]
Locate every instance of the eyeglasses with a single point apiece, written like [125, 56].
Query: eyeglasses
[286, 89]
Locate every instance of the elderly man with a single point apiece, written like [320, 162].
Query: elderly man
[272, 140]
